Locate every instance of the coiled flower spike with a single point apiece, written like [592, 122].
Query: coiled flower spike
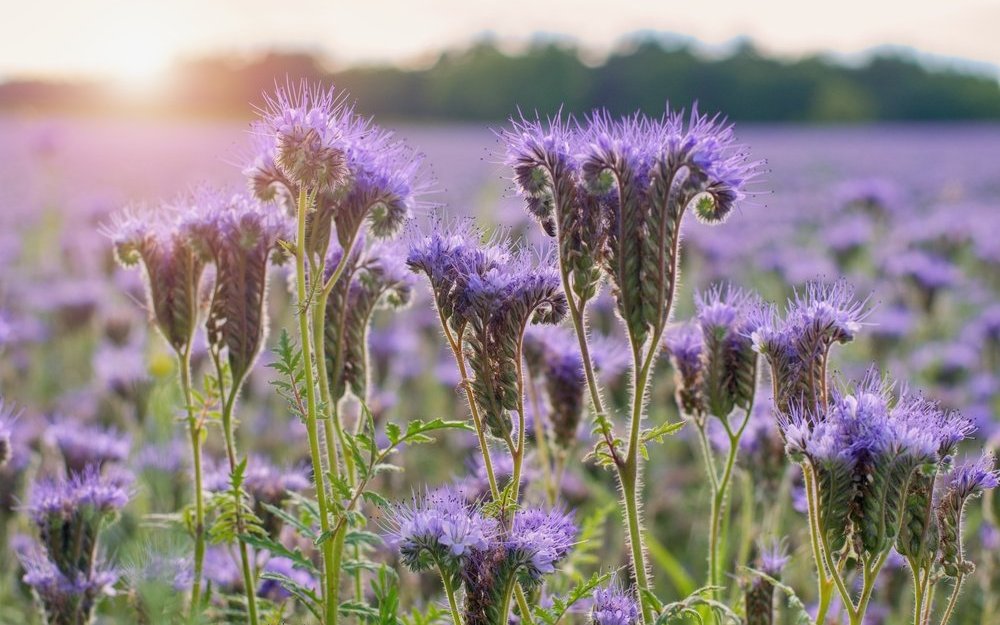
[173, 267]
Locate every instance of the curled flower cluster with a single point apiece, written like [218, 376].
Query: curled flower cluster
[487, 296]
[64, 570]
[310, 141]
[758, 592]
[798, 344]
[714, 362]
[376, 278]
[865, 448]
[613, 193]
[613, 605]
[440, 529]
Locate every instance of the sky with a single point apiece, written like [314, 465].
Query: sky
[137, 39]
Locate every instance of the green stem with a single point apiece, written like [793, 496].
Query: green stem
[629, 476]
[449, 590]
[824, 581]
[456, 349]
[249, 583]
[331, 597]
[953, 599]
[195, 431]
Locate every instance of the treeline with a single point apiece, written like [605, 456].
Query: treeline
[484, 83]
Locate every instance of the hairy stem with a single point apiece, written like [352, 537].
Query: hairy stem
[249, 582]
[195, 432]
[331, 597]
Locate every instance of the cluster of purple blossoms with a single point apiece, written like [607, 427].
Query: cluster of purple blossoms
[64, 568]
[178, 242]
[798, 345]
[442, 529]
[487, 296]
[714, 361]
[967, 481]
[613, 193]
[523, 553]
[614, 605]
[83, 445]
[537, 541]
[240, 237]
[439, 528]
[310, 142]
[865, 447]
[376, 278]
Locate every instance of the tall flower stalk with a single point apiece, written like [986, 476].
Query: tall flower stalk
[613, 194]
[339, 175]
[485, 297]
[716, 376]
[173, 271]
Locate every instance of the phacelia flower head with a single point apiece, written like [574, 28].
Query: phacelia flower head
[376, 278]
[797, 345]
[172, 265]
[312, 129]
[865, 447]
[547, 174]
[538, 541]
[967, 481]
[730, 362]
[69, 515]
[84, 445]
[439, 528]
[614, 605]
[684, 345]
[497, 305]
[240, 237]
[65, 598]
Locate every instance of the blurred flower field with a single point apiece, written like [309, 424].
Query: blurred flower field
[910, 216]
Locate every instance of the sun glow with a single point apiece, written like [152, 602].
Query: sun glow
[137, 60]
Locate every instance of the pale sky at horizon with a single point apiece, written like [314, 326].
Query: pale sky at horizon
[136, 38]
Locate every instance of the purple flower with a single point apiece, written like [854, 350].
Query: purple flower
[70, 514]
[797, 345]
[440, 529]
[684, 345]
[306, 132]
[173, 267]
[84, 445]
[240, 236]
[65, 598]
[973, 478]
[614, 605]
[222, 570]
[538, 540]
